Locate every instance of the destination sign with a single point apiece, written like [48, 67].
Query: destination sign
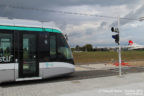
[6, 58]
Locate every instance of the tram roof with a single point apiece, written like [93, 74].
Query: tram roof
[27, 25]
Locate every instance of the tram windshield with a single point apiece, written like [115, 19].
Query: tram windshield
[53, 47]
[64, 51]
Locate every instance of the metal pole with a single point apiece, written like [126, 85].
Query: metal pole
[119, 51]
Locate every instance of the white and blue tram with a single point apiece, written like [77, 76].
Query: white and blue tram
[30, 50]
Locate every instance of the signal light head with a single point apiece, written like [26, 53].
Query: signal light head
[116, 37]
[115, 30]
[112, 29]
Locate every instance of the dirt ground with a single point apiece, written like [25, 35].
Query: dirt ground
[139, 63]
[136, 63]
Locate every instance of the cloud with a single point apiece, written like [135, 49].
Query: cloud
[133, 13]
[60, 3]
[88, 32]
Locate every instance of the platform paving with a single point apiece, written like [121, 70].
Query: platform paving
[127, 85]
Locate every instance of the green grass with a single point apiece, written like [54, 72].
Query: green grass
[106, 56]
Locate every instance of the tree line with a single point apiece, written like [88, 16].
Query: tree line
[88, 48]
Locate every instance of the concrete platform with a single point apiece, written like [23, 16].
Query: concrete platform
[127, 85]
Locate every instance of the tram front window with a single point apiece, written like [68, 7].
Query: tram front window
[64, 52]
[56, 49]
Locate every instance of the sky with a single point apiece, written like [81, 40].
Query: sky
[82, 29]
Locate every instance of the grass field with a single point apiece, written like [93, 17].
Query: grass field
[106, 56]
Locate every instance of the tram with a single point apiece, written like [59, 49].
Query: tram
[30, 50]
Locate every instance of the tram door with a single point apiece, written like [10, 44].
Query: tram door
[28, 64]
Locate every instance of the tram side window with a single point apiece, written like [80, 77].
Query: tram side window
[44, 47]
[53, 47]
[6, 48]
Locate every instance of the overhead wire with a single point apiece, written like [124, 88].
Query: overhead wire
[64, 12]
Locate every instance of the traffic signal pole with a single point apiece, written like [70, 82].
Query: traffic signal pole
[119, 51]
[117, 40]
